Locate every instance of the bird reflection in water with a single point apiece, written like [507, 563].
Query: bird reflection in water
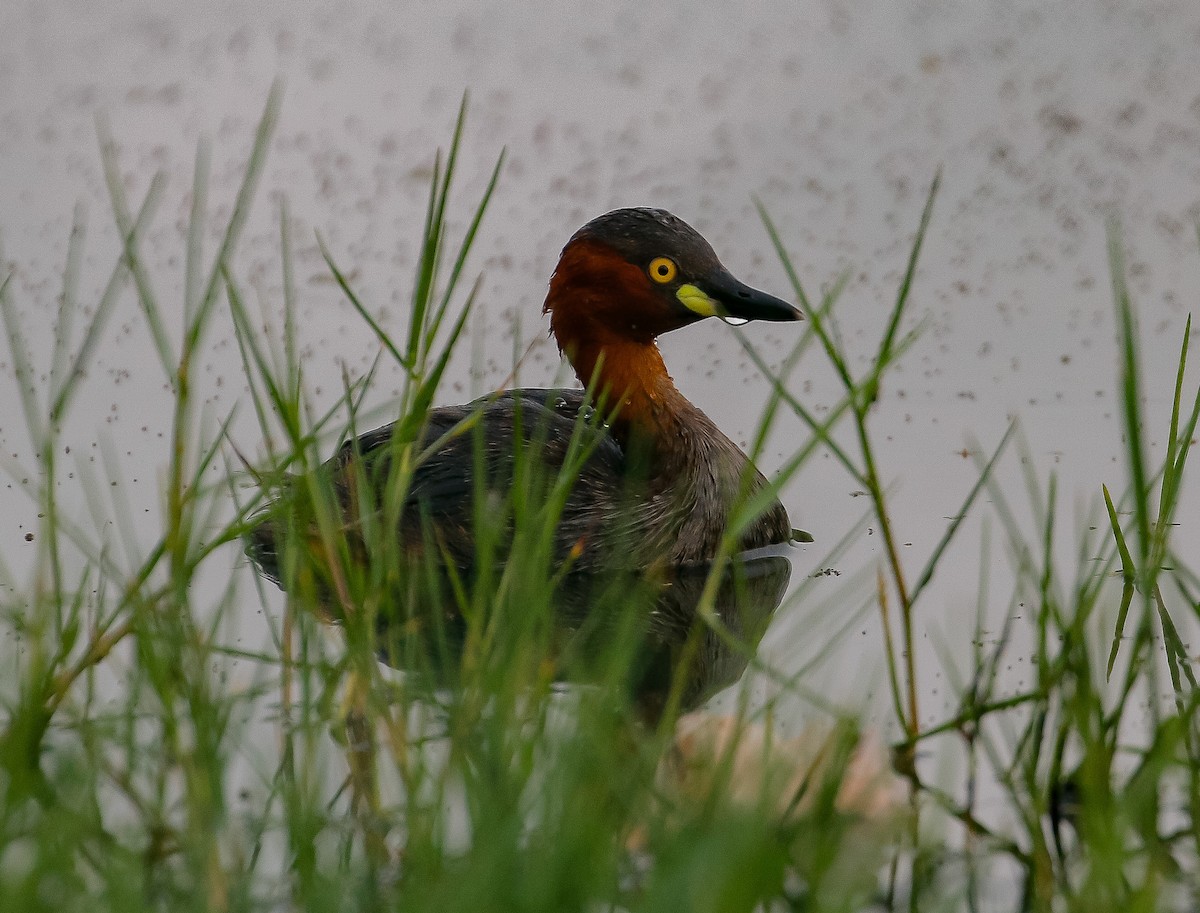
[651, 629]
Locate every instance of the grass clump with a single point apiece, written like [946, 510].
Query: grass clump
[134, 772]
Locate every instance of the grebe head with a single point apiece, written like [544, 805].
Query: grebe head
[633, 274]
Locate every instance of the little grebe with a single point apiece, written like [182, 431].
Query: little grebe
[621, 281]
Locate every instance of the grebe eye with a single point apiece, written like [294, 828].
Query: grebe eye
[663, 270]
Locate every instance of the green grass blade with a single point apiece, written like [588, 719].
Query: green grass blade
[902, 298]
[1128, 572]
[23, 372]
[193, 260]
[1179, 445]
[291, 364]
[69, 304]
[935, 556]
[1130, 394]
[781, 252]
[103, 310]
[380, 333]
[147, 297]
[464, 248]
[241, 204]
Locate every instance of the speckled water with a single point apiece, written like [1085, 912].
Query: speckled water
[1045, 119]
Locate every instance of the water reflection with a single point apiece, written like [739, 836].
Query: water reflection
[648, 632]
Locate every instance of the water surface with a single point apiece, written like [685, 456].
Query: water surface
[1046, 121]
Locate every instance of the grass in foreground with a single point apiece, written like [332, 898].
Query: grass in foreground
[134, 776]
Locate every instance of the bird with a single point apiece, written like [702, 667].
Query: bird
[652, 480]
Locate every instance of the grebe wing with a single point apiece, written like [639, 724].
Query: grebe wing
[546, 423]
[550, 424]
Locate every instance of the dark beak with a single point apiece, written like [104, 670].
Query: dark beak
[742, 302]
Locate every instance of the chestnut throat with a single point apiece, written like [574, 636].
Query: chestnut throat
[647, 411]
[606, 323]
[632, 378]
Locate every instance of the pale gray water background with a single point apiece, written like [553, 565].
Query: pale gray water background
[1045, 118]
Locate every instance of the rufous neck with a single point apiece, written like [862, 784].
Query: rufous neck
[605, 322]
[632, 380]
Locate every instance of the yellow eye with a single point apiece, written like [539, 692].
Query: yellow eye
[663, 270]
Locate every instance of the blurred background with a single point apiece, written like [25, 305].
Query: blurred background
[1048, 121]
